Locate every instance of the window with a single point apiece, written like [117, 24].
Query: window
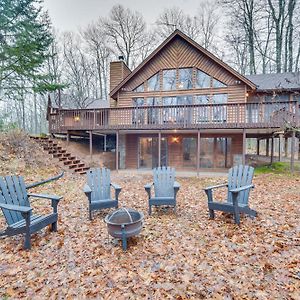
[153, 112]
[220, 111]
[139, 89]
[138, 113]
[153, 83]
[202, 99]
[189, 146]
[138, 101]
[202, 80]
[169, 80]
[185, 79]
[184, 100]
[218, 84]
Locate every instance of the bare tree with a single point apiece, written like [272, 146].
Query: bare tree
[126, 31]
[96, 40]
[208, 18]
[174, 18]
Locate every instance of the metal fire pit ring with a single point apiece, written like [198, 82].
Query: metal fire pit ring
[124, 223]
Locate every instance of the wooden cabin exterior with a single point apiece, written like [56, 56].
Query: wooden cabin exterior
[182, 107]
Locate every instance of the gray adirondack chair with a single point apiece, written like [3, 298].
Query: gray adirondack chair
[15, 205]
[239, 185]
[165, 188]
[98, 190]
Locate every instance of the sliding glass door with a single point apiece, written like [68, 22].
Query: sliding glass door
[148, 152]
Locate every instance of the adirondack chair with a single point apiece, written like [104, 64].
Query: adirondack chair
[165, 188]
[98, 192]
[15, 205]
[239, 185]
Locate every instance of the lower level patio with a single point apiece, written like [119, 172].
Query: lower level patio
[176, 256]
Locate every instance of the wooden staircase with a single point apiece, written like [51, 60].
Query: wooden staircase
[69, 160]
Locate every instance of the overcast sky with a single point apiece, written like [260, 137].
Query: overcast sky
[73, 14]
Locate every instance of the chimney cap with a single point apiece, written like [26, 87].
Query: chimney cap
[121, 57]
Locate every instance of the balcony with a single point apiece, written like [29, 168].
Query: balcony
[201, 116]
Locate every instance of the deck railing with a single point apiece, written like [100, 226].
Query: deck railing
[228, 115]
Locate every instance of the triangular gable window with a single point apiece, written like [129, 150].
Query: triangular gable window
[218, 84]
[153, 83]
[139, 89]
[202, 80]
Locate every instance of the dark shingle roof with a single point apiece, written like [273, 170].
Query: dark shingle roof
[276, 81]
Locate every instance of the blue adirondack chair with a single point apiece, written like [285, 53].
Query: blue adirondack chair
[98, 190]
[165, 188]
[15, 205]
[239, 186]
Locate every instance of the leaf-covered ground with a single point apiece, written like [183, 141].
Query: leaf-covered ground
[182, 256]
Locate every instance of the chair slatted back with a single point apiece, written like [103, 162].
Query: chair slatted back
[239, 176]
[99, 182]
[164, 178]
[13, 191]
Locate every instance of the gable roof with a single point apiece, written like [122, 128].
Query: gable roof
[276, 81]
[194, 44]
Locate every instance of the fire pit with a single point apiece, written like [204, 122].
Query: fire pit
[124, 223]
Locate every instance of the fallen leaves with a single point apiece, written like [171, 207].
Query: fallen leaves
[176, 256]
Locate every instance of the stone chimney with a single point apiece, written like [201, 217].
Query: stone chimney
[118, 71]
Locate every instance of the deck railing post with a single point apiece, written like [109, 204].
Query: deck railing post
[293, 151]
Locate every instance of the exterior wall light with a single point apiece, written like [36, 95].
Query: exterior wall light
[175, 139]
[76, 118]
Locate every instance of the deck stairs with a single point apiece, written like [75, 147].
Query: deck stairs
[65, 157]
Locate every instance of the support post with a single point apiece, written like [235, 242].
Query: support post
[159, 148]
[244, 147]
[105, 144]
[267, 146]
[91, 143]
[286, 143]
[117, 151]
[272, 150]
[293, 151]
[280, 143]
[257, 146]
[198, 152]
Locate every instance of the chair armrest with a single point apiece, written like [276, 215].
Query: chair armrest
[148, 189]
[176, 185]
[21, 209]
[148, 185]
[86, 189]
[115, 186]
[45, 196]
[243, 188]
[117, 190]
[216, 186]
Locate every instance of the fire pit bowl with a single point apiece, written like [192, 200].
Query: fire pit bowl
[124, 223]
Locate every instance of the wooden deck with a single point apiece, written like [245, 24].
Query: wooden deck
[218, 116]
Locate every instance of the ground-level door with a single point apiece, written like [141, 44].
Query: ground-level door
[214, 152]
[148, 152]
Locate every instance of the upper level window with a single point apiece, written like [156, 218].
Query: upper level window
[139, 89]
[202, 99]
[185, 78]
[153, 83]
[218, 84]
[202, 80]
[220, 98]
[169, 80]
[153, 101]
[138, 102]
[184, 100]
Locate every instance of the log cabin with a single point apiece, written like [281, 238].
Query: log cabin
[184, 107]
